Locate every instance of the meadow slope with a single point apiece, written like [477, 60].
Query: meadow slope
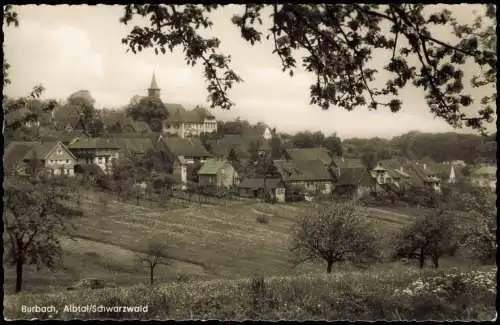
[205, 241]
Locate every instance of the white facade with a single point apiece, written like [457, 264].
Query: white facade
[267, 134]
[191, 129]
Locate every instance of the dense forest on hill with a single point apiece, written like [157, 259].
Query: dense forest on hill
[437, 147]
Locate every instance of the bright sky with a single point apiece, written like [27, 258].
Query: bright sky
[69, 48]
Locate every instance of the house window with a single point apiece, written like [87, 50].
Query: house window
[59, 151]
[67, 161]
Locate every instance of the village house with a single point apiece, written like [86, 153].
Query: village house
[99, 151]
[119, 122]
[184, 123]
[257, 187]
[310, 175]
[67, 121]
[183, 152]
[422, 176]
[446, 172]
[341, 162]
[381, 175]
[306, 154]
[354, 182]
[53, 156]
[240, 144]
[396, 164]
[485, 176]
[222, 148]
[190, 123]
[217, 175]
[136, 146]
[399, 178]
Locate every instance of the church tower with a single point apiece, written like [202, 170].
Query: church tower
[153, 90]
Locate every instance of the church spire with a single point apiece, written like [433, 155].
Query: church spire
[154, 90]
[154, 85]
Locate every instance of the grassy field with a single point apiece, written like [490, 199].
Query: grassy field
[388, 292]
[205, 241]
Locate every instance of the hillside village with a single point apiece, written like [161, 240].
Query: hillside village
[200, 157]
[358, 183]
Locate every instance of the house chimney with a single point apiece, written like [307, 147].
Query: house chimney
[425, 166]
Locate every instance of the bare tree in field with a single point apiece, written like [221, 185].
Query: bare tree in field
[155, 254]
[335, 233]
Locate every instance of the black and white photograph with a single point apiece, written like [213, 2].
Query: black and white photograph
[252, 161]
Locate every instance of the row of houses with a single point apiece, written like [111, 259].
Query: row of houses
[180, 122]
[311, 170]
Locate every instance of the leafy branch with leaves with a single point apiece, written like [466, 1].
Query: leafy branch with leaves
[339, 41]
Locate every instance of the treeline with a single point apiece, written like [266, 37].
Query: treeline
[432, 147]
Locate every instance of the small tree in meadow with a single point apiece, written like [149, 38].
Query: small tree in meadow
[335, 233]
[433, 236]
[155, 255]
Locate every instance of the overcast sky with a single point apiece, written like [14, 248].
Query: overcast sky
[69, 48]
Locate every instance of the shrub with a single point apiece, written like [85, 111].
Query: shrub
[261, 218]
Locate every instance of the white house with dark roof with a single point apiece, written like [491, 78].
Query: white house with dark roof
[53, 156]
[217, 174]
[183, 152]
[190, 123]
[99, 151]
[181, 122]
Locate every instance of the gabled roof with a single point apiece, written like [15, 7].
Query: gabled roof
[379, 168]
[320, 154]
[131, 146]
[41, 149]
[212, 166]
[203, 112]
[418, 174]
[68, 136]
[240, 142]
[94, 143]
[395, 173]
[174, 108]
[220, 148]
[311, 170]
[258, 183]
[111, 119]
[188, 147]
[353, 176]
[178, 114]
[347, 162]
[394, 163]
